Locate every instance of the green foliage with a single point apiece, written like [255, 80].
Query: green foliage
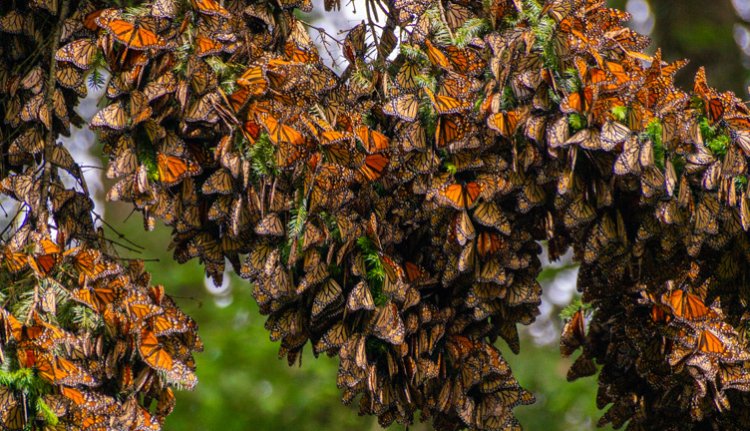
[261, 156]
[576, 122]
[654, 132]
[473, 28]
[43, 409]
[428, 81]
[719, 145]
[740, 183]
[297, 221]
[575, 305]
[451, 168]
[375, 270]
[331, 224]
[96, 78]
[413, 53]
[707, 130]
[508, 99]
[438, 27]
[715, 141]
[620, 113]
[25, 382]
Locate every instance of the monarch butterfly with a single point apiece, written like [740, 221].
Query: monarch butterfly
[446, 104]
[30, 141]
[460, 195]
[113, 117]
[436, 56]
[211, 7]
[80, 52]
[507, 123]
[465, 60]
[15, 261]
[331, 137]
[629, 161]
[219, 182]
[613, 133]
[132, 35]
[202, 78]
[153, 353]
[373, 166]
[303, 5]
[354, 43]
[710, 343]
[404, 107]
[415, 274]
[36, 110]
[205, 46]
[559, 9]
[254, 79]
[463, 228]
[583, 366]
[411, 137]
[332, 339]
[13, 416]
[301, 54]
[456, 85]
[328, 296]
[489, 214]
[46, 259]
[68, 76]
[388, 325]
[280, 133]
[270, 225]
[139, 307]
[573, 334]
[204, 109]
[14, 22]
[33, 80]
[98, 297]
[164, 84]
[407, 75]
[60, 371]
[173, 169]
[170, 322]
[313, 236]
[457, 15]
[164, 9]
[489, 243]
[372, 140]
[451, 130]
[687, 305]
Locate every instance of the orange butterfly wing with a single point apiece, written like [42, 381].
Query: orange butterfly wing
[374, 166]
[372, 140]
[710, 343]
[687, 305]
[205, 46]
[173, 169]
[152, 352]
[133, 36]
[461, 196]
[211, 7]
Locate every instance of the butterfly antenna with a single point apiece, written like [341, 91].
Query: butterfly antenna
[120, 235]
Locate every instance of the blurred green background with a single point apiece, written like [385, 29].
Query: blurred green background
[243, 386]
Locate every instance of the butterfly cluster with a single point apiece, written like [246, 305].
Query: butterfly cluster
[86, 342]
[393, 218]
[390, 215]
